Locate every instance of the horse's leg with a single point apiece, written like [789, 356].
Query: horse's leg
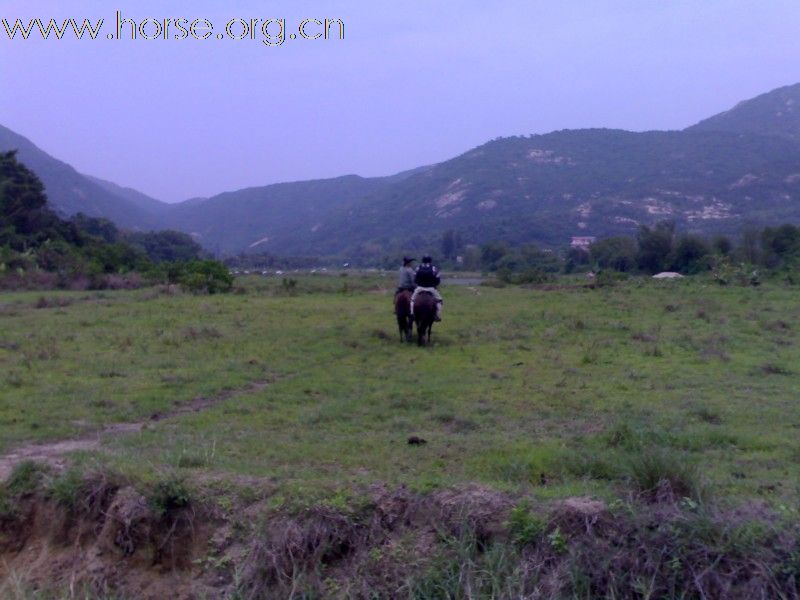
[401, 325]
[420, 333]
[430, 327]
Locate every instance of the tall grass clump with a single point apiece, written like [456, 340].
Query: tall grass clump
[465, 569]
[662, 475]
[25, 478]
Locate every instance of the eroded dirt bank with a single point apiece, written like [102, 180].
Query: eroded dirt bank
[103, 536]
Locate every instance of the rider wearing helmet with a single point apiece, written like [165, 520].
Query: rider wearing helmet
[427, 279]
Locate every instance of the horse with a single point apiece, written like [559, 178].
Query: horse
[402, 309]
[424, 313]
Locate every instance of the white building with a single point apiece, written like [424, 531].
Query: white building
[582, 242]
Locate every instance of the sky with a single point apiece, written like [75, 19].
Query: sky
[411, 83]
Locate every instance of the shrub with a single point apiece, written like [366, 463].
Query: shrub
[690, 254]
[617, 253]
[289, 285]
[524, 527]
[168, 494]
[609, 278]
[209, 276]
[726, 273]
[655, 246]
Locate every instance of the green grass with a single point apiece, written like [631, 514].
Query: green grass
[552, 392]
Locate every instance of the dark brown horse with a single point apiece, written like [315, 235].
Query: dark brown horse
[402, 309]
[424, 313]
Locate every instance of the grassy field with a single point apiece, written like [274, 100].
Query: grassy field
[551, 392]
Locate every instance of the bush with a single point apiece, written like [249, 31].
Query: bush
[209, 276]
[655, 246]
[726, 273]
[781, 245]
[165, 246]
[690, 255]
[169, 493]
[608, 278]
[524, 527]
[617, 253]
[289, 286]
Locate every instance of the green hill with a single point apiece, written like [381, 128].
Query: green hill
[39, 249]
[738, 168]
[70, 192]
[547, 188]
[268, 217]
[774, 113]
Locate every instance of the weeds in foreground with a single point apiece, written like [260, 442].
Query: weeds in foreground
[193, 457]
[463, 569]
[15, 586]
[25, 478]
[524, 526]
[67, 488]
[459, 545]
[169, 493]
[663, 475]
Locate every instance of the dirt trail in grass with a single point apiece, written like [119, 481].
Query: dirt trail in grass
[53, 453]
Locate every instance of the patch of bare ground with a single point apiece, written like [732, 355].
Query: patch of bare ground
[54, 453]
[112, 542]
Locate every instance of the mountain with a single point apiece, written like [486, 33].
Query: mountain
[261, 218]
[774, 113]
[547, 188]
[70, 192]
[738, 168]
[142, 201]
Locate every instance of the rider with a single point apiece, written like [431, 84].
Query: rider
[406, 279]
[427, 278]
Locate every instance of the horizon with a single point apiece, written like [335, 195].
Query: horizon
[376, 103]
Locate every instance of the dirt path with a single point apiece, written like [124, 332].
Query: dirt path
[53, 453]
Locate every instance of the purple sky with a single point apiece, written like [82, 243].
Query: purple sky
[413, 83]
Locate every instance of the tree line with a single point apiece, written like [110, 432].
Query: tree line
[38, 248]
[654, 248]
[662, 248]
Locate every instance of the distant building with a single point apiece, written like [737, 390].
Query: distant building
[582, 242]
